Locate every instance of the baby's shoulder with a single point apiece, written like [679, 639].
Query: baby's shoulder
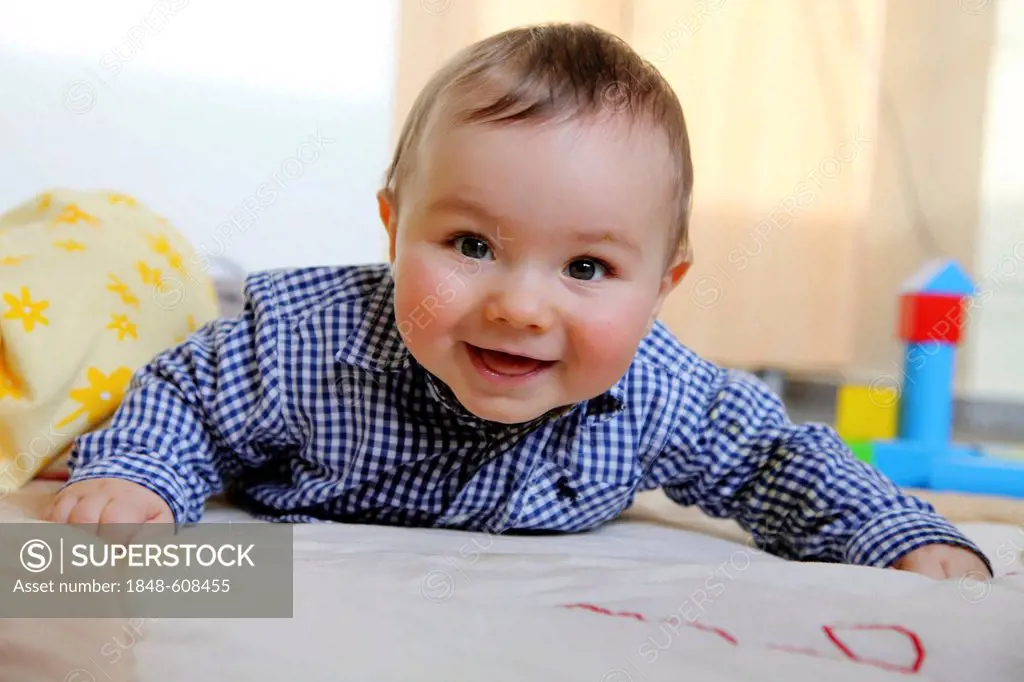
[661, 354]
[295, 293]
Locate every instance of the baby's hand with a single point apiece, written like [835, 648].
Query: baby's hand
[106, 501]
[943, 561]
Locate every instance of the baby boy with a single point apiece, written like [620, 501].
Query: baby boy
[506, 370]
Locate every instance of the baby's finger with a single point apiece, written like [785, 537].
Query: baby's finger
[88, 509]
[959, 565]
[119, 511]
[158, 512]
[61, 507]
[929, 567]
[120, 521]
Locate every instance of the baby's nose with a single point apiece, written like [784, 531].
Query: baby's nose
[520, 307]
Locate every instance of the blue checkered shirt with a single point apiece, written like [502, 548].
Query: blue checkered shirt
[308, 406]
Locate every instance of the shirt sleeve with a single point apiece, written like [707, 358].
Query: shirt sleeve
[196, 416]
[796, 488]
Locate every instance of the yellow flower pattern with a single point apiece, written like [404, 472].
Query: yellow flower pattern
[123, 326]
[101, 397]
[121, 289]
[25, 309]
[10, 386]
[151, 276]
[72, 215]
[70, 245]
[161, 245]
[84, 303]
[122, 199]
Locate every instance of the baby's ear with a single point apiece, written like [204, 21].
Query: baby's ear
[673, 276]
[389, 218]
[679, 267]
[385, 208]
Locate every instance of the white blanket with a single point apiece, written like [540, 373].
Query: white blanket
[632, 601]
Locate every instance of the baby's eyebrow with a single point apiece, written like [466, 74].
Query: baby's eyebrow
[456, 204]
[605, 236]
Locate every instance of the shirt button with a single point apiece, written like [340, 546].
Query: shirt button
[565, 490]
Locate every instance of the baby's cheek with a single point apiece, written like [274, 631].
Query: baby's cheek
[423, 300]
[608, 333]
[606, 345]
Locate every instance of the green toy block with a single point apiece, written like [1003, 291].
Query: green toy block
[863, 450]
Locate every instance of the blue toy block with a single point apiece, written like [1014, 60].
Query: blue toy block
[940, 276]
[926, 404]
[984, 475]
[906, 463]
[910, 464]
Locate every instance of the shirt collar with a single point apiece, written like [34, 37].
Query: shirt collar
[377, 346]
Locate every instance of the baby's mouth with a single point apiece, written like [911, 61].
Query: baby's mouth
[507, 363]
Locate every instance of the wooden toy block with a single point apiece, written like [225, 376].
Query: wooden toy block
[1014, 453]
[863, 450]
[940, 276]
[866, 413]
[926, 403]
[981, 475]
[912, 464]
[906, 463]
[931, 317]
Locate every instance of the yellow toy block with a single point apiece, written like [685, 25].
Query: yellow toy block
[865, 413]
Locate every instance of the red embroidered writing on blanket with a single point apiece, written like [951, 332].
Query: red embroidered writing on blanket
[836, 635]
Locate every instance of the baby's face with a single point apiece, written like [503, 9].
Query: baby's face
[529, 261]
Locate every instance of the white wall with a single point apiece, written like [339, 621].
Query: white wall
[996, 348]
[202, 107]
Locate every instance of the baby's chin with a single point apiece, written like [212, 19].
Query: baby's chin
[506, 410]
[504, 415]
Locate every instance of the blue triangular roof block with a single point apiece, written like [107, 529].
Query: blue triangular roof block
[940, 276]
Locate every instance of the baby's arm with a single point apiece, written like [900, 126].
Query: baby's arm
[194, 418]
[796, 487]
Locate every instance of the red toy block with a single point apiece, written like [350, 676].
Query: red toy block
[931, 317]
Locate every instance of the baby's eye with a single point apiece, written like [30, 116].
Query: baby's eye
[471, 247]
[586, 269]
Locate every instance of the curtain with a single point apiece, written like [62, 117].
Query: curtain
[801, 226]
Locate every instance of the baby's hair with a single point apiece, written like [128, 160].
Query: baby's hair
[552, 72]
